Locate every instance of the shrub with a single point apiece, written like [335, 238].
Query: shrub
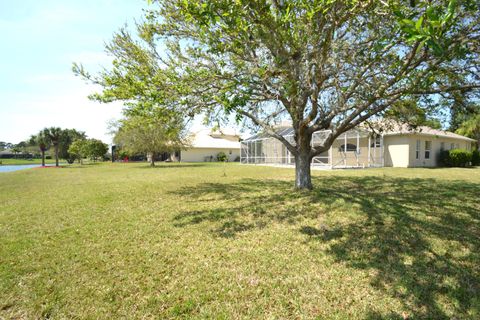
[476, 158]
[48, 157]
[222, 157]
[444, 158]
[456, 158]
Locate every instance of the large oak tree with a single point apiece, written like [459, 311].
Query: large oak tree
[323, 64]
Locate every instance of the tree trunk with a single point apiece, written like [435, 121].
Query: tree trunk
[152, 160]
[303, 178]
[43, 158]
[56, 155]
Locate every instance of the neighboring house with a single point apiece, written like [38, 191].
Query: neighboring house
[6, 154]
[207, 144]
[399, 146]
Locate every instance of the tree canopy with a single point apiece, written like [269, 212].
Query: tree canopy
[95, 149]
[54, 136]
[471, 128]
[323, 64]
[68, 137]
[151, 135]
[87, 148]
[42, 142]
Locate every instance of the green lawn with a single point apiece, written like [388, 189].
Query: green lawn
[182, 241]
[24, 161]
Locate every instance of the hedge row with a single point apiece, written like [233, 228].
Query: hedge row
[459, 158]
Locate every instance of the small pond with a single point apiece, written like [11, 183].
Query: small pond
[9, 168]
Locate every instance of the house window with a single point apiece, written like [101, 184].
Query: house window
[428, 148]
[457, 146]
[350, 148]
[452, 146]
[417, 150]
[376, 143]
[442, 146]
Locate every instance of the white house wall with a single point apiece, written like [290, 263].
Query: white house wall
[204, 154]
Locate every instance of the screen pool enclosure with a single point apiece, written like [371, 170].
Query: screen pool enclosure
[353, 149]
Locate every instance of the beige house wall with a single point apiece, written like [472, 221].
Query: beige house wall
[396, 151]
[401, 150]
[351, 158]
[201, 154]
[436, 144]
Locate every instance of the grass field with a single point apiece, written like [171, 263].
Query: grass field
[182, 241]
[24, 161]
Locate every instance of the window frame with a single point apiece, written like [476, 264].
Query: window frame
[428, 149]
[417, 149]
[343, 147]
[376, 143]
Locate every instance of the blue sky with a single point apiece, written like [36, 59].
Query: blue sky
[40, 40]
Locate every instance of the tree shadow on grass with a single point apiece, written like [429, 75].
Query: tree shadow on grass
[421, 236]
[146, 165]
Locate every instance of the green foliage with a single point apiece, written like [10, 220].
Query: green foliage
[152, 134]
[471, 126]
[40, 140]
[429, 26]
[67, 138]
[78, 149]
[324, 65]
[54, 136]
[88, 148]
[410, 112]
[456, 158]
[95, 149]
[222, 157]
[476, 158]
[464, 107]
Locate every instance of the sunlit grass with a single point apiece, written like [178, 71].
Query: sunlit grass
[183, 241]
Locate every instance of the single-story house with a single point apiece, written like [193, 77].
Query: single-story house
[405, 147]
[398, 146]
[206, 144]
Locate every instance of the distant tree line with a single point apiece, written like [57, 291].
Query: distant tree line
[59, 143]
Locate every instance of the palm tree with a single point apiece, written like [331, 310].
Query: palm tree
[43, 143]
[54, 134]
